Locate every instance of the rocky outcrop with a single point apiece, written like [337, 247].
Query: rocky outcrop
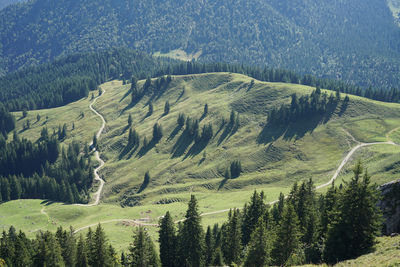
[390, 205]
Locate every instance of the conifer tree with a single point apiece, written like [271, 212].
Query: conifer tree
[129, 120]
[168, 241]
[191, 237]
[100, 253]
[209, 247]
[205, 111]
[166, 108]
[181, 120]
[150, 111]
[288, 236]
[258, 248]
[94, 142]
[157, 132]
[81, 253]
[142, 250]
[252, 212]
[232, 238]
[358, 219]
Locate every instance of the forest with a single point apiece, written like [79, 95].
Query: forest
[41, 170]
[302, 227]
[354, 41]
[71, 78]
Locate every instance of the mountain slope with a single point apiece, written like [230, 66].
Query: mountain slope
[272, 158]
[351, 40]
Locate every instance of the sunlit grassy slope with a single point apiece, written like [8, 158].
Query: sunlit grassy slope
[271, 161]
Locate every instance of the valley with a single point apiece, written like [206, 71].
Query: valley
[271, 160]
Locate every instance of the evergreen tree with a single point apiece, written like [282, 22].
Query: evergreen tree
[81, 254]
[142, 250]
[258, 249]
[251, 214]
[94, 142]
[287, 242]
[191, 237]
[166, 108]
[129, 120]
[157, 132]
[232, 238]
[358, 219]
[205, 111]
[100, 253]
[181, 120]
[168, 241]
[209, 247]
[150, 112]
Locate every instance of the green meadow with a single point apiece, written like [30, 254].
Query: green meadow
[271, 160]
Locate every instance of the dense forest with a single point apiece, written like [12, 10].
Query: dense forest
[5, 3]
[349, 40]
[70, 78]
[304, 227]
[41, 170]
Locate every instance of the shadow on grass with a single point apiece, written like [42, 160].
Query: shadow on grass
[128, 149]
[143, 151]
[181, 144]
[196, 148]
[223, 182]
[300, 127]
[47, 202]
[174, 132]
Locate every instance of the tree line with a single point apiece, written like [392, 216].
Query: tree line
[71, 78]
[314, 104]
[43, 170]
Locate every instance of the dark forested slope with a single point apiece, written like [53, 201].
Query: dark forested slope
[350, 40]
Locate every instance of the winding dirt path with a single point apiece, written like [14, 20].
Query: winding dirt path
[334, 177]
[97, 177]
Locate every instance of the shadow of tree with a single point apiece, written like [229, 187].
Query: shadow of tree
[223, 182]
[181, 144]
[174, 132]
[196, 148]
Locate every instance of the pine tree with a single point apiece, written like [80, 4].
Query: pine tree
[191, 237]
[357, 221]
[150, 112]
[181, 120]
[258, 249]
[157, 132]
[168, 241]
[288, 236]
[209, 245]
[205, 111]
[129, 120]
[232, 238]
[142, 250]
[94, 142]
[166, 108]
[251, 214]
[100, 253]
[81, 254]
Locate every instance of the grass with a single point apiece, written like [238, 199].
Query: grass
[386, 253]
[179, 169]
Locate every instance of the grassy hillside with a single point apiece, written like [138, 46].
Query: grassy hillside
[272, 160]
[385, 253]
